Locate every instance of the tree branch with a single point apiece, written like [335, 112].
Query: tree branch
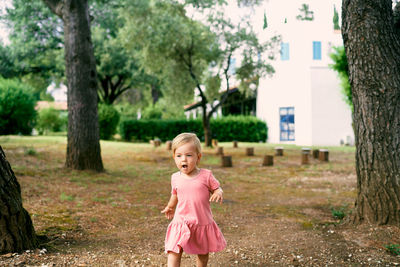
[56, 6]
[226, 93]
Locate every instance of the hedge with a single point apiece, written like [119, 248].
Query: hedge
[226, 129]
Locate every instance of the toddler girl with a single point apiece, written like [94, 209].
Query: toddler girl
[193, 228]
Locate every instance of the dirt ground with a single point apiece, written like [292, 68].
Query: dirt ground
[280, 215]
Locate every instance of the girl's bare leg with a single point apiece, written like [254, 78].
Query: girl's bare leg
[174, 259]
[202, 260]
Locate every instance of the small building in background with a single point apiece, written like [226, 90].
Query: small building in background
[302, 102]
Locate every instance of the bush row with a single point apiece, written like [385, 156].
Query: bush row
[240, 128]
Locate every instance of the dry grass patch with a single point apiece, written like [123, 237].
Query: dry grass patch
[272, 216]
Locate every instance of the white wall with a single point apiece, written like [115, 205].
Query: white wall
[310, 86]
[331, 116]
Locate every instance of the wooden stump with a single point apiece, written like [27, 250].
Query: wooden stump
[268, 160]
[220, 150]
[315, 153]
[157, 142]
[323, 155]
[278, 151]
[168, 145]
[214, 142]
[249, 151]
[304, 158]
[235, 144]
[226, 161]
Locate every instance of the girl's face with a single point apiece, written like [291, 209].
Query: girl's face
[186, 158]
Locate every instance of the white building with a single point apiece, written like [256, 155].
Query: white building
[302, 102]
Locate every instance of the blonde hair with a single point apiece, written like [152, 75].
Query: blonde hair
[185, 138]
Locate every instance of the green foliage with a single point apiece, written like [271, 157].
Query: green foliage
[335, 19]
[339, 213]
[152, 112]
[393, 249]
[240, 128]
[108, 121]
[30, 151]
[342, 67]
[305, 13]
[50, 120]
[17, 108]
[35, 54]
[265, 25]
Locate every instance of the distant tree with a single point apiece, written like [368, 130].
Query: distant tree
[305, 13]
[335, 19]
[83, 148]
[265, 25]
[371, 37]
[16, 229]
[37, 48]
[196, 55]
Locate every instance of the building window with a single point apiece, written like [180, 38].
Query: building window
[287, 123]
[285, 51]
[317, 50]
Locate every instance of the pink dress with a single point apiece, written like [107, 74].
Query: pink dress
[193, 228]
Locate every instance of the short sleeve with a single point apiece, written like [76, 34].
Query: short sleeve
[213, 182]
[173, 185]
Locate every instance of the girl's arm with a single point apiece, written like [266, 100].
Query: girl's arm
[170, 208]
[217, 195]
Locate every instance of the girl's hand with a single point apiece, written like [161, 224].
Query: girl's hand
[217, 195]
[169, 212]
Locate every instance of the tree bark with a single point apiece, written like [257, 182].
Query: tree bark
[373, 53]
[206, 128]
[83, 149]
[16, 229]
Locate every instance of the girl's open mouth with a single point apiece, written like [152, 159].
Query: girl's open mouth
[184, 166]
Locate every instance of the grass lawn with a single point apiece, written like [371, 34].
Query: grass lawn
[272, 216]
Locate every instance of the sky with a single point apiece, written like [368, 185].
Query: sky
[3, 29]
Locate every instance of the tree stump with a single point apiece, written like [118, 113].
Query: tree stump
[16, 229]
[315, 153]
[268, 160]
[226, 161]
[214, 142]
[304, 158]
[323, 155]
[168, 145]
[249, 151]
[278, 151]
[157, 142]
[235, 144]
[220, 150]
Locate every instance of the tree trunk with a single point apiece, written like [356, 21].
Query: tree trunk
[83, 150]
[373, 54]
[16, 229]
[206, 128]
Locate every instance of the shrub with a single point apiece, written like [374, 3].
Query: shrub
[50, 120]
[152, 112]
[393, 249]
[108, 121]
[17, 108]
[240, 128]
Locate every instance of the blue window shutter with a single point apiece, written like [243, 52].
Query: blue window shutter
[317, 50]
[284, 51]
